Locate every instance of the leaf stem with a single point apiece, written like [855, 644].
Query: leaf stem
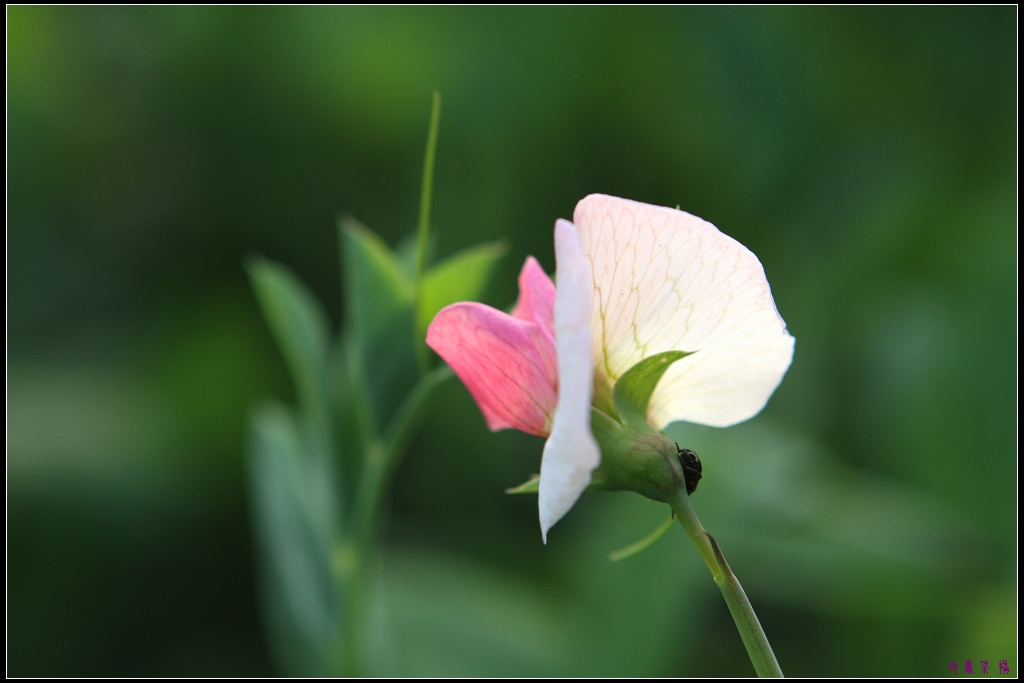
[754, 639]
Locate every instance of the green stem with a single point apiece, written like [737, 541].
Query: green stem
[758, 648]
[423, 227]
[354, 555]
[383, 456]
[427, 189]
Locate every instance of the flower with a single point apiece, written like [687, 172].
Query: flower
[634, 280]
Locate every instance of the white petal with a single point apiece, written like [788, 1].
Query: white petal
[665, 280]
[571, 453]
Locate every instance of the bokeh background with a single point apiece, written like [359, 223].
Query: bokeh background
[866, 155]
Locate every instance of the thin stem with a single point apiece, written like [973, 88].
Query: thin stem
[427, 189]
[423, 227]
[354, 554]
[754, 639]
[384, 455]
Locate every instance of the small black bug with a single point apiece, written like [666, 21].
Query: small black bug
[692, 468]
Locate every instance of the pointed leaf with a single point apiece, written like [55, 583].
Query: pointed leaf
[294, 537]
[300, 326]
[633, 390]
[379, 300]
[462, 277]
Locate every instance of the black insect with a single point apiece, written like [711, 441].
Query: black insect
[692, 468]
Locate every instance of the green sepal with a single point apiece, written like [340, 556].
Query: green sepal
[461, 277]
[633, 390]
[598, 482]
[531, 485]
[380, 309]
[644, 543]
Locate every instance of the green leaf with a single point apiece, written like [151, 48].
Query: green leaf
[380, 305]
[300, 326]
[461, 277]
[294, 516]
[633, 390]
[377, 285]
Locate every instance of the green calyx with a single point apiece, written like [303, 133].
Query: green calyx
[635, 459]
[634, 455]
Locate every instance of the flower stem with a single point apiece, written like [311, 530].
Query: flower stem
[758, 648]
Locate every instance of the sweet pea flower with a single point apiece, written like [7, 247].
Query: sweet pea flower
[634, 280]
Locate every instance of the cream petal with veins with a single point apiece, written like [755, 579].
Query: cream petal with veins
[665, 280]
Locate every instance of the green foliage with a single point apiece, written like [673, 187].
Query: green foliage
[300, 326]
[295, 526]
[380, 304]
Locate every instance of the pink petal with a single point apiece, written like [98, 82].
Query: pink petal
[508, 365]
[571, 453]
[536, 297]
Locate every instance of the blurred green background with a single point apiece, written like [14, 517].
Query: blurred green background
[867, 156]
